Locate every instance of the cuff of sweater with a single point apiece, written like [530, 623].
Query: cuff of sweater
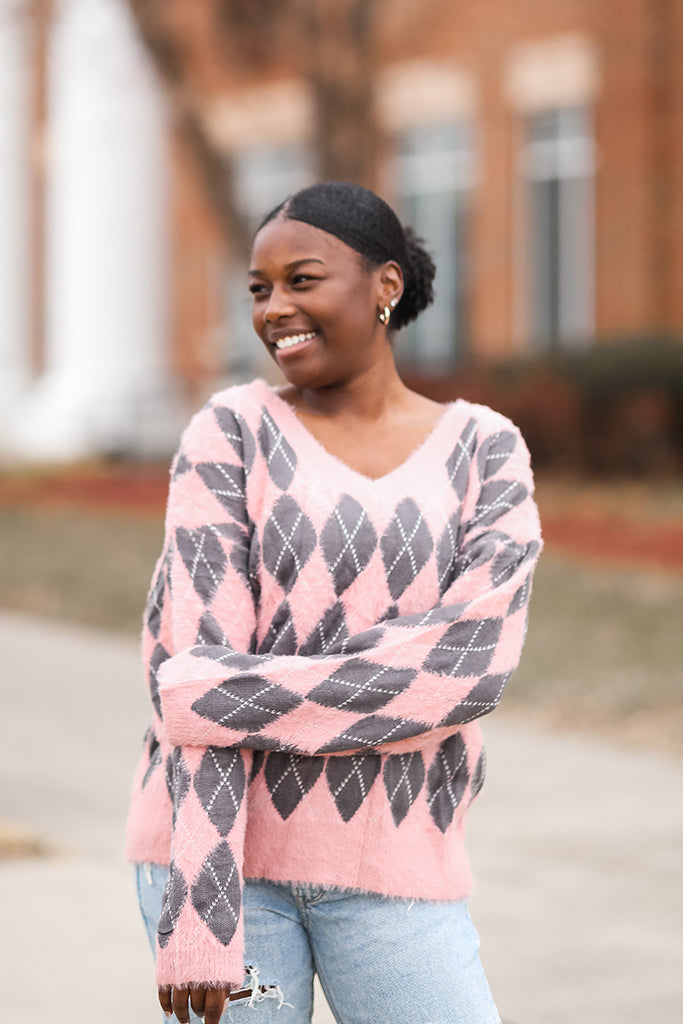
[183, 963]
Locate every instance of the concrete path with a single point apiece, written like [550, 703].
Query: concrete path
[577, 850]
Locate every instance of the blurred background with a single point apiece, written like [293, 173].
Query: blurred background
[537, 147]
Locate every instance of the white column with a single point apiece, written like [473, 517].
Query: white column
[105, 388]
[14, 205]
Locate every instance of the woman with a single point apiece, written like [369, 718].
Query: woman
[342, 593]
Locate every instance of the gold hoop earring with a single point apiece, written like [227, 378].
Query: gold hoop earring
[384, 315]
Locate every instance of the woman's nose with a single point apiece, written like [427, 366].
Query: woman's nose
[279, 306]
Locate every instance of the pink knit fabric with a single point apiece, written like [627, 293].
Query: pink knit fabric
[319, 646]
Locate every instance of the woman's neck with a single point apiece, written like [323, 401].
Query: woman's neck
[368, 397]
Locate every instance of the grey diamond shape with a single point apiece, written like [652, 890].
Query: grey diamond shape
[478, 551]
[235, 429]
[465, 649]
[289, 539]
[350, 779]
[279, 455]
[521, 596]
[181, 465]
[247, 703]
[494, 453]
[226, 483]
[281, 635]
[445, 613]
[219, 783]
[403, 779]
[159, 656]
[157, 596]
[372, 731]
[458, 464]
[254, 566]
[173, 902]
[406, 545]
[508, 560]
[204, 559]
[328, 634]
[496, 498]
[361, 686]
[348, 541]
[257, 760]
[365, 641]
[217, 893]
[447, 781]
[210, 632]
[478, 775]
[153, 756]
[481, 699]
[289, 778]
[235, 661]
[447, 553]
[178, 779]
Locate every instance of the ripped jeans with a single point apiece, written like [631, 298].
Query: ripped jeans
[380, 960]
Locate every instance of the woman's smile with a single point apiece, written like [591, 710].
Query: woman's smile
[292, 341]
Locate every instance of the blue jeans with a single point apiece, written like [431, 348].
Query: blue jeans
[380, 960]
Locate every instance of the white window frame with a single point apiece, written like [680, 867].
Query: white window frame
[561, 310]
[435, 161]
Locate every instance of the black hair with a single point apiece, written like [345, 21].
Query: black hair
[368, 225]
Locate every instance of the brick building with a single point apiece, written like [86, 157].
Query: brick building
[537, 146]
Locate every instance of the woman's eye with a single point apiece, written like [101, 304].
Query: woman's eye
[302, 279]
[257, 289]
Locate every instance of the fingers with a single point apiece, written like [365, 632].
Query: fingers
[206, 1002]
[166, 1000]
[197, 1000]
[181, 998]
[216, 999]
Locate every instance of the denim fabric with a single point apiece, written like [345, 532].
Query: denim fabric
[380, 960]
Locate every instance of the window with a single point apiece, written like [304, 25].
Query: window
[558, 163]
[434, 172]
[264, 176]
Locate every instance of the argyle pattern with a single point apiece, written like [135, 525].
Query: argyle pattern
[319, 647]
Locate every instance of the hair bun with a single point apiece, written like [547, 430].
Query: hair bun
[420, 271]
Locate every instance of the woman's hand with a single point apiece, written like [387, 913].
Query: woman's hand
[208, 1003]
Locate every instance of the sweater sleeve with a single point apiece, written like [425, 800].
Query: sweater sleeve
[395, 685]
[200, 930]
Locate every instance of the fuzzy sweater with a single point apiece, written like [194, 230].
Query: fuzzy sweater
[319, 646]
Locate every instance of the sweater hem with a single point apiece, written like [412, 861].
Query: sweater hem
[358, 890]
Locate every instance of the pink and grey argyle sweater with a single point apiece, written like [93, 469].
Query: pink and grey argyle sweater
[319, 646]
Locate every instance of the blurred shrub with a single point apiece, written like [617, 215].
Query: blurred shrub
[615, 408]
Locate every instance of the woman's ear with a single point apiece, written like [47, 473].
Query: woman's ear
[390, 285]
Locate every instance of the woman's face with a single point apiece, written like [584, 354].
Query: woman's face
[315, 304]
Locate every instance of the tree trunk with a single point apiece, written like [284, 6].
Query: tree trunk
[339, 67]
[331, 43]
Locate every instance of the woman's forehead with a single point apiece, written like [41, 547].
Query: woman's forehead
[287, 241]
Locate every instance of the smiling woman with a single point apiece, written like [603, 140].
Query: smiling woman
[342, 593]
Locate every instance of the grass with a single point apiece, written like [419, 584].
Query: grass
[603, 650]
[88, 567]
[634, 501]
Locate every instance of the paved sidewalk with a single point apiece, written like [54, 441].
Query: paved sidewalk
[577, 850]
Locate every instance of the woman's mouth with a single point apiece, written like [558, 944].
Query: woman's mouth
[292, 340]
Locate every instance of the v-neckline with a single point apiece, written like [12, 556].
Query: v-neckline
[315, 445]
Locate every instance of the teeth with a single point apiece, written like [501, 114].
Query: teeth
[294, 339]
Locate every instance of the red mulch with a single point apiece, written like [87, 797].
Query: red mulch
[659, 545]
[143, 492]
[137, 492]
